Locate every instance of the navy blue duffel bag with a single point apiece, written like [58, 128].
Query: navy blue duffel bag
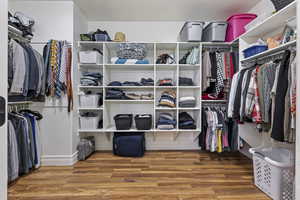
[129, 144]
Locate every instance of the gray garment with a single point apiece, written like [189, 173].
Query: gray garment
[187, 104]
[42, 73]
[10, 65]
[26, 80]
[13, 156]
[261, 91]
[206, 70]
[19, 68]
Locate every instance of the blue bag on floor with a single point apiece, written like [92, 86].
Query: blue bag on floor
[129, 144]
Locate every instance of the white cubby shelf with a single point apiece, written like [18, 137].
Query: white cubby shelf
[134, 72]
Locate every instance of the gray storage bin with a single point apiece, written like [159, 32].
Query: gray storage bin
[191, 31]
[215, 32]
[86, 147]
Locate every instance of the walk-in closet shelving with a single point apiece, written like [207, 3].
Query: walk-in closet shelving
[134, 72]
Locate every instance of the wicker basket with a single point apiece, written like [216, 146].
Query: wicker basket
[279, 4]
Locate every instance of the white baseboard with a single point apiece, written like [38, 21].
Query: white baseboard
[59, 160]
[155, 148]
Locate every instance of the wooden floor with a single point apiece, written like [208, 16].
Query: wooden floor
[175, 175]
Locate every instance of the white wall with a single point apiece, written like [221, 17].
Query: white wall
[263, 7]
[141, 31]
[3, 92]
[54, 20]
[80, 25]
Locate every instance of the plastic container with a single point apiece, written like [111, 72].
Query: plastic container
[86, 147]
[215, 32]
[256, 49]
[192, 31]
[89, 101]
[143, 122]
[89, 123]
[123, 121]
[236, 25]
[274, 172]
[90, 57]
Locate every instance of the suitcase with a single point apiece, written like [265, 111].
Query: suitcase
[86, 147]
[129, 144]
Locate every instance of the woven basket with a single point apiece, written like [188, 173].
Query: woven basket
[279, 4]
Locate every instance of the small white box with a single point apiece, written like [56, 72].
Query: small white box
[89, 123]
[90, 57]
[89, 101]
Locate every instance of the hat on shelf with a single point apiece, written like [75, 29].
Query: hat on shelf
[120, 37]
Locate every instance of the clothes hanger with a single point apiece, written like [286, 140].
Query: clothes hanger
[38, 115]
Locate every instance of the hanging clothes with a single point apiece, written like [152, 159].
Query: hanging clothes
[26, 71]
[219, 133]
[24, 149]
[266, 95]
[216, 74]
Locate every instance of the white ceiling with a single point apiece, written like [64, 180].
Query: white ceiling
[161, 10]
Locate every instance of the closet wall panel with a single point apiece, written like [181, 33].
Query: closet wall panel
[3, 93]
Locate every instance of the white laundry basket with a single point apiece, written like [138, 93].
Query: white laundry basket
[89, 101]
[274, 172]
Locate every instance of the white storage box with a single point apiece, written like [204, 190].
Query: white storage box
[89, 123]
[192, 31]
[89, 101]
[215, 32]
[90, 57]
[274, 172]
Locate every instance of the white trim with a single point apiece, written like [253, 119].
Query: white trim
[154, 148]
[59, 160]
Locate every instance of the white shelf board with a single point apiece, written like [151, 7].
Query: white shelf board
[196, 108]
[19, 102]
[90, 65]
[113, 129]
[189, 67]
[216, 43]
[91, 131]
[129, 101]
[273, 22]
[171, 130]
[90, 109]
[270, 51]
[165, 108]
[90, 87]
[189, 130]
[214, 101]
[131, 87]
[166, 65]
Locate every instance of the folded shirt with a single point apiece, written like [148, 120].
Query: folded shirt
[166, 82]
[116, 60]
[183, 81]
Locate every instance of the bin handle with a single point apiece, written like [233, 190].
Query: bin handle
[278, 164]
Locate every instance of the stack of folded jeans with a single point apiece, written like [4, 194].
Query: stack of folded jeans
[166, 82]
[166, 122]
[187, 102]
[115, 94]
[144, 82]
[168, 99]
[147, 81]
[116, 60]
[184, 81]
[91, 79]
[186, 121]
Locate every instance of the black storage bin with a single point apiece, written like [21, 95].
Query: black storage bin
[123, 121]
[280, 4]
[129, 144]
[143, 122]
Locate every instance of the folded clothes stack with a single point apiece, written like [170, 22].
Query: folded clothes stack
[166, 122]
[130, 53]
[166, 82]
[186, 121]
[147, 81]
[119, 94]
[184, 81]
[187, 102]
[116, 60]
[168, 99]
[91, 79]
[143, 82]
